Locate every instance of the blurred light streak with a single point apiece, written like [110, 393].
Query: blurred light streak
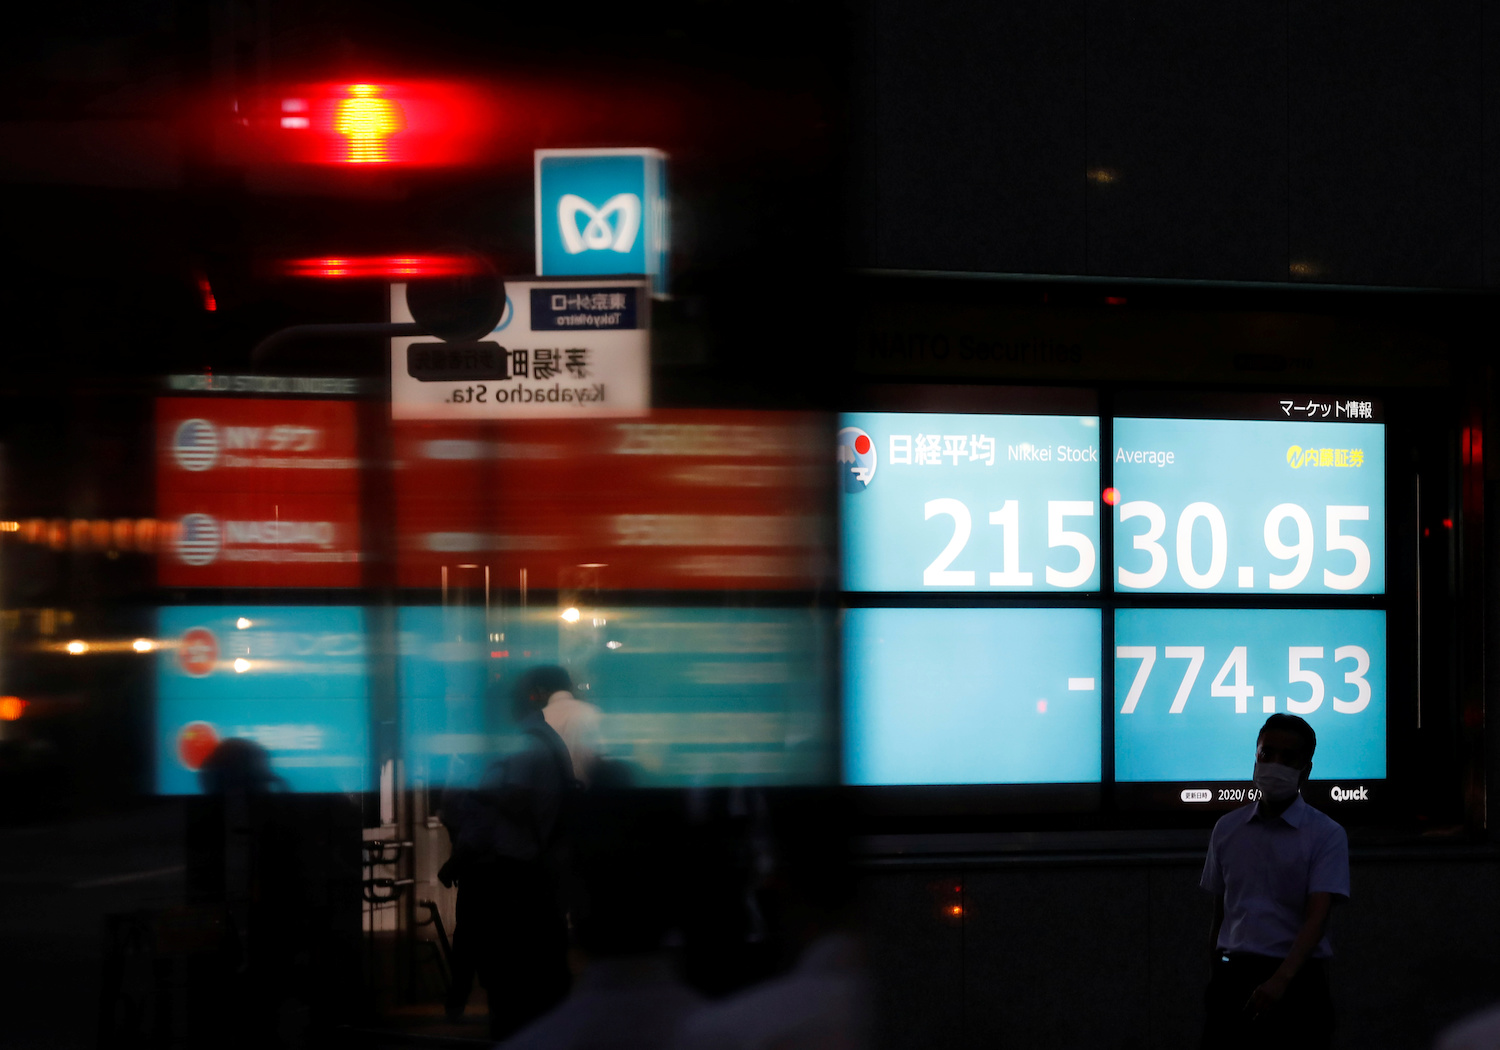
[368, 120]
[367, 267]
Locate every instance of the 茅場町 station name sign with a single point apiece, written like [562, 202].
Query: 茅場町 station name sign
[561, 349]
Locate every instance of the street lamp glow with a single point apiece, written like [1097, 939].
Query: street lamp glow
[143, 645]
[77, 648]
[241, 665]
[570, 614]
[242, 623]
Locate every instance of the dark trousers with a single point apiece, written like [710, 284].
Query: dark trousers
[511, 930]
[1302, 1020]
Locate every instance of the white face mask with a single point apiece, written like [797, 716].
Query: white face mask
[1277, 782]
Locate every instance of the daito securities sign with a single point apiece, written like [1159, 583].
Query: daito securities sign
[258, 493]
[562, 350]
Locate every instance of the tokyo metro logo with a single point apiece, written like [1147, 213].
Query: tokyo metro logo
[195, 446]
[597, 234]
[857, 459]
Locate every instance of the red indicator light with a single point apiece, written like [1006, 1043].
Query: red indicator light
[1115, 300]
[367, 120]
[11, 708]
[1447, 523]
[499, 654]
[206, 290]
[382, 266]
[1111, 496]
[955, 910]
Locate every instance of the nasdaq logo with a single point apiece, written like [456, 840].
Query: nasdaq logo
[198, 539]
[195, 446]
[597, 234]
[601, 211]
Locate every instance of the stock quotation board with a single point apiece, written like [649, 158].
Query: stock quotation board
[976, 594]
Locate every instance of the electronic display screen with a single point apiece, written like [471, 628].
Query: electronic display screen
[1248, 506]
[687, 697]
[943, 503]
[293, 680]
[971, 696]
[1194, 686]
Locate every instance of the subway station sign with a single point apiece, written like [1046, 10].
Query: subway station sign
[575, 349]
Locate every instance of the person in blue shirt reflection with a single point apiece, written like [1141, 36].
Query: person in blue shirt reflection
[1276, 868]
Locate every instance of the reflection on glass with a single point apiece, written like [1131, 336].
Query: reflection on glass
[296, 683]
[687, 696]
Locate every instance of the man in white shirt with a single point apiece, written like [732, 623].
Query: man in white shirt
[1276, 868]
[575, 720]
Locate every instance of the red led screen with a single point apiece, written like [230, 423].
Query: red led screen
[680, 500]
[258, 493]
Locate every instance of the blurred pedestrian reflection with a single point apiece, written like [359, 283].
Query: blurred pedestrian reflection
[282, 869]
[576, 721]
[822, 1002]
[628, 851]
[511, 931]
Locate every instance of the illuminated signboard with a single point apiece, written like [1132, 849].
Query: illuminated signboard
[258, 493]
[1249, 506]
[942, 503]
[680, 500]
[688, 696]
[602, 211]
[971, 696]
[1193, 687]
[1246, 498]
[561, 350]
[294, 680]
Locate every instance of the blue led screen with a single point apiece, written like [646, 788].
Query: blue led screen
[944, 503]
[293, 680]
[971, 696]
[1249, 506]
[1194, 686]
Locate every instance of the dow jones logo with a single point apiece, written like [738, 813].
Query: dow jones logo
[198, 539]
[195, 446]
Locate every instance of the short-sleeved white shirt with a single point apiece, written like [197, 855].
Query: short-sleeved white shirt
[1266, 867]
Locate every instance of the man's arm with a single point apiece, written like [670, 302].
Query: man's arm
[1314, 921]
[1213, 932]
